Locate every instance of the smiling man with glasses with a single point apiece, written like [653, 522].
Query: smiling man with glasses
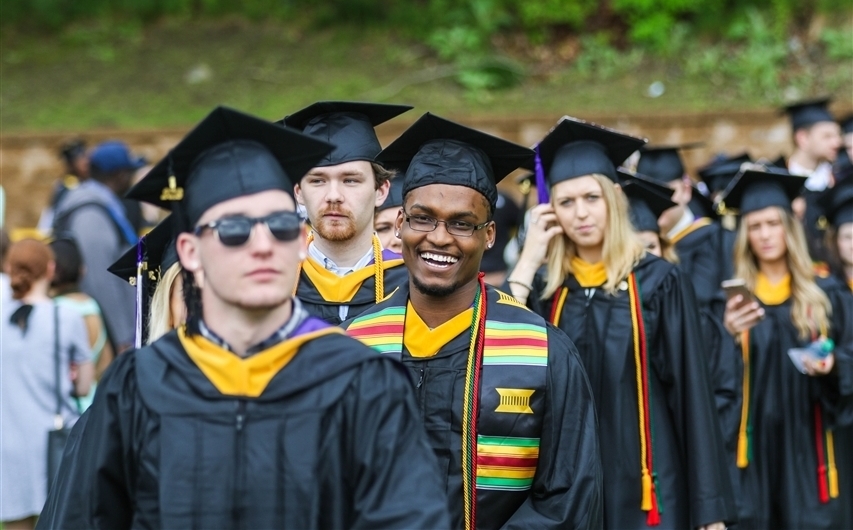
[506, 403]
[254, 414]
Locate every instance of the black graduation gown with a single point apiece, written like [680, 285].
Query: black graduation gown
[566, 491]
[693, 488]
[699, 258]
[332, 442]
[364, 299]
[779, 487]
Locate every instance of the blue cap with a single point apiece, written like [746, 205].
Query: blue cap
[108, 157]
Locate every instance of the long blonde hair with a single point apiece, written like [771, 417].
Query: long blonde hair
[621, 251]
[160, 317]
[810, 309]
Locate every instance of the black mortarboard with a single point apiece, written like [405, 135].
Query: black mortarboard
[347, 125]
[808, 112]
[755, 189]
[647, 200]
[142, 264]
[438, 151]
[846, 124]
[720, 172]
[228, 154]
[157, 251]
[395, 194]
[575, 148]
[663, 162]
[837, 202]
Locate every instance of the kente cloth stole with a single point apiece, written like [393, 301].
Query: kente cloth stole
[504, 396]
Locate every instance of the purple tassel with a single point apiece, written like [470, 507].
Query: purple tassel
[541, 185]
[137, 340]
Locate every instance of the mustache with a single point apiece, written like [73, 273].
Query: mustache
[336, 211]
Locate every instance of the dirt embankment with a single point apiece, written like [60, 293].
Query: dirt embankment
[29, 164]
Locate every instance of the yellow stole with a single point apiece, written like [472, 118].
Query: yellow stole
[697, 224]
[233, 375]
[772, 294]
[850, 284]
[424, 342]
[589, 274]
[340, 289]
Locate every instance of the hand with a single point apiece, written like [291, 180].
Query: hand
[741, 317]
[714, 526]
[815, 367]
[542, 228]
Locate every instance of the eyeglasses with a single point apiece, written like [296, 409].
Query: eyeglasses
[236, 231]
[425, 223]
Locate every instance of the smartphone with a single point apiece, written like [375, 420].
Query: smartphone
[737, 286]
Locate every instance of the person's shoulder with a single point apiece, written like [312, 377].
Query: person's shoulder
[654, 274]
[511, 309]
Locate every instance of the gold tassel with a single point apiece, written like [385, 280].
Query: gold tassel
[742, 443]
[833, 471]
[647, 492]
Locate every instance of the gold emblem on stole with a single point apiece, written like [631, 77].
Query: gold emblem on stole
[515, 400]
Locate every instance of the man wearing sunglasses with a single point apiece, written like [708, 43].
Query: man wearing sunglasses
[254, 414]
[347, 270]
[503, 395]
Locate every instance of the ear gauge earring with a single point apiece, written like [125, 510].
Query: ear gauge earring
[302, 256]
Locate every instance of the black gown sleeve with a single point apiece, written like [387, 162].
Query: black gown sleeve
[567, 488]
[680, 357]
[92, 488]
[725, 367]
[394, 470]
[841, 300]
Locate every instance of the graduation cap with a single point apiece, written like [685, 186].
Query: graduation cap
[756, 189]
[142, 264]
[158, 253]
[719, 173]
[438, 151]
[808, 112]
[837, 202]
[647, 200]
[662, 162]
[228, 154]
[395, 194]
[347, 125]
[575, 148]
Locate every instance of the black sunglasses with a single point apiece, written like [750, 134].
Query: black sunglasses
[236, 231]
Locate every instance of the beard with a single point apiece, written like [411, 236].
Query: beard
[340, 229]
[436, 291]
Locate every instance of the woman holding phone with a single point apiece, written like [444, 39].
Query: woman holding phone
[791, 399]
[634, 320]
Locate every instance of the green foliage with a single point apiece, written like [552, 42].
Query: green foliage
[747, 39]
[550, 12]
[838, 43]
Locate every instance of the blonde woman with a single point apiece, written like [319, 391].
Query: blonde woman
[634, 321]
[785, 455]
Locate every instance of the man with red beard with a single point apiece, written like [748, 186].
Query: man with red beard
[347, 270]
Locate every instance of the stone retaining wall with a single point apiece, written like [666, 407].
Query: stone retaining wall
[29, 164]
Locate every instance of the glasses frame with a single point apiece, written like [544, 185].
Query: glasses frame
[254, 221]
[408, 218]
